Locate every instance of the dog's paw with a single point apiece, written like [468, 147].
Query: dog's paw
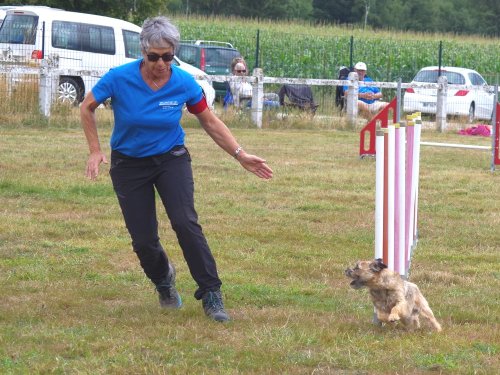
[393, 318]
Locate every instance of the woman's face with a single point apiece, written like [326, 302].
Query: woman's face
[158, 59]
[240, 70]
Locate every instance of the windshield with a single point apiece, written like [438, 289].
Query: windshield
[220, 57]
[431, 76]
[19, 29]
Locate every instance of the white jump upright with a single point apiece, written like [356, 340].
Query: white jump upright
[396, 195]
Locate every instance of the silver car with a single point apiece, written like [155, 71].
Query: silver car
[474, 100]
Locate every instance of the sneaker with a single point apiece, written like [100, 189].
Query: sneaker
[167, 294]
[214, 307]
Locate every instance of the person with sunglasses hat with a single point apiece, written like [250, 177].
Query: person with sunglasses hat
[369, 97]
[148, 154]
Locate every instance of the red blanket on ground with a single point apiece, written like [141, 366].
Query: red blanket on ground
[479, 129]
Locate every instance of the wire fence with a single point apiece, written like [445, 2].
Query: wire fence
[32, 92]
[279, 54]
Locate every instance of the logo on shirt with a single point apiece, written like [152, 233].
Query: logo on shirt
[168, 104]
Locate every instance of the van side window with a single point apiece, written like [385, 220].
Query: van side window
[101, 39]
[19, 29]
[132, 44]
[83, 37]
[65, 35]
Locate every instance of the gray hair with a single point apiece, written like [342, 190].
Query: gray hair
[158, 32]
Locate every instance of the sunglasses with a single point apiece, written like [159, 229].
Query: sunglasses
[241, 71]
[154, 57]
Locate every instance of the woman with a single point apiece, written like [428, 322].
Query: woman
[238, 91]
[148, 153]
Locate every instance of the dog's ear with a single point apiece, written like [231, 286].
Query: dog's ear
[377, 265]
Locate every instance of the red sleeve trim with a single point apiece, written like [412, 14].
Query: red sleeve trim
[198, 107]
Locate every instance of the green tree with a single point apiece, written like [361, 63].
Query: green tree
[341, 11]
[299, 9]
[485, 14]
[131, 10]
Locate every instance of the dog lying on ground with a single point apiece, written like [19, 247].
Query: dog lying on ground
[394, 299]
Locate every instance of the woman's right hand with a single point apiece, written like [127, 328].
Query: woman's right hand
[95, 159]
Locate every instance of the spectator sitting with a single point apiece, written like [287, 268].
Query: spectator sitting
[241, 91]
[368, 96]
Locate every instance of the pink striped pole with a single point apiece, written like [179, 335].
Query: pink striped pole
[409, 202]
[379, 195]
[416, 173]
[399, 193]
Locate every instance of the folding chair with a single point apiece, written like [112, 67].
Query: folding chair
[299, 96]
[340, 99]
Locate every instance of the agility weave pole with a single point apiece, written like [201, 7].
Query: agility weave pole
[396, 194]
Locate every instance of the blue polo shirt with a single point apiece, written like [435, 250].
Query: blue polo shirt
[147, 122]
[365, 89]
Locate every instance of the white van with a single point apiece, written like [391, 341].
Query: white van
[75, 42]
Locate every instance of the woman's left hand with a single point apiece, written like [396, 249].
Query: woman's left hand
[255, 165]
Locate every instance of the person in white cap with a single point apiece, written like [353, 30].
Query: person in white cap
[369, 97]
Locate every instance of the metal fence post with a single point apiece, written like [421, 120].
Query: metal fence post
[352, 99]
[49, 79]
[398, 96]
[441, 109]
[258, 97]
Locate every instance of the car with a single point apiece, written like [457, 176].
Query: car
[200, 77]
[212, 57]
[474, 101]
[83, 45]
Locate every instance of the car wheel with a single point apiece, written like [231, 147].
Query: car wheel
[471, 115]
[69, 91]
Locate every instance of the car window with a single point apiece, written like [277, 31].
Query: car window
[476, 79]
[132, 44]
[19, 29]
[431, 76]
[83, 37]
[221, 57]
[426, 76]
[188, 54]
[101, 39]
[455, 78]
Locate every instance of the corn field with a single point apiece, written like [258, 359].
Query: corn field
[302, 51]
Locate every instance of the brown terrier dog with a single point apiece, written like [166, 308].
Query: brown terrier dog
[394, 299]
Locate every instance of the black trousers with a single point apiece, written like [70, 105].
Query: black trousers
[134, 182]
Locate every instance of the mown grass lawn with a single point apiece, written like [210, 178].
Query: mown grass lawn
[74, 299]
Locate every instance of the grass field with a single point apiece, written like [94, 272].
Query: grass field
[74, 299]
